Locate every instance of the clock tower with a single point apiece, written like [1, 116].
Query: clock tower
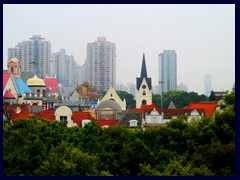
[144, 87]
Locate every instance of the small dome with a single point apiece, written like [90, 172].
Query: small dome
[154, 113]
[14, 60]
[35, 81]
[109, 103]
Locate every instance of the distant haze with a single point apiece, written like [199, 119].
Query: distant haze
[202, 35]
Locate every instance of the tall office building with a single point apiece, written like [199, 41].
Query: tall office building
[207, 85]
[35, 55]
[101, 64]
[167, 71]
[65, 68]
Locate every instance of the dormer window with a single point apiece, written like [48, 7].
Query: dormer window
[133, 123]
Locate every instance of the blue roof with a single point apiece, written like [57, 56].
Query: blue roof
[21, 86]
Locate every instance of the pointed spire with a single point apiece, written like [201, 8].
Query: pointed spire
[144, 69]
[171, 105]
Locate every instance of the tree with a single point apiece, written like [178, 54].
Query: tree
[180, 98]
[67, 161]
[130, 101]
[212, 96]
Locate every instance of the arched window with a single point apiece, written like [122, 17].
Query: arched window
[144, 93]
[144, 102]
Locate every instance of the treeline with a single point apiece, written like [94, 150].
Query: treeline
[204, 147]
[180, 98]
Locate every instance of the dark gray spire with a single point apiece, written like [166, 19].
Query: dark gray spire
[144, 75]
[144, 69]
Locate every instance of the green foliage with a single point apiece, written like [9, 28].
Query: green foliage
[67, 161]
[181, 168]
[131, 102]
[202, 147]
[180, 98]
[212, 96]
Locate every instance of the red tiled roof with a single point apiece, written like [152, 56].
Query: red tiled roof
[169, 113]
[5, 79]
[209, 107]
[77, 117]
[102, 123]
[8, 95]
[51, 83]
[148, 107]
[24, 114]
[47, 114]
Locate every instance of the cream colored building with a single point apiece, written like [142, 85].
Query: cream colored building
[112, 95]
[64, 113]
[144, 87]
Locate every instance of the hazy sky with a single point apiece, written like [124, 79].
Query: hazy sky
[202, 35]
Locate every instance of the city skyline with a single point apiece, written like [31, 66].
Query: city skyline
[203, 37]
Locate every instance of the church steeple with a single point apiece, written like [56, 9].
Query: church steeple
[144, 75]
[144, 69]
[144, 87]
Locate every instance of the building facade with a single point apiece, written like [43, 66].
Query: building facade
[64, 67]
[101, 64]
[167, 71]
[144, 87]
[207, 85]
[35, 55]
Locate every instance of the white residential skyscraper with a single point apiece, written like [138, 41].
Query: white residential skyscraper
[101, 64]
[35, 55]
[207, 85]
[167, 71]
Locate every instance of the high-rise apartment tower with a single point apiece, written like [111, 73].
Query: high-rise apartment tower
[101, 64]
[35, 55]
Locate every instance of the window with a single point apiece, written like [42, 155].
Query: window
[144, 102]
[44, 93]
[133, 123]
[12, 69]
[63, 118]
[144, 93]
[144, 86]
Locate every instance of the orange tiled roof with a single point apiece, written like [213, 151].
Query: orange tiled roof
[209, 107]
